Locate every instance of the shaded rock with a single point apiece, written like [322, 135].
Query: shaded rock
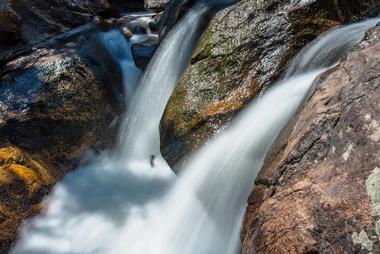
[10, 23]
[142, 54]
[24, 180]
[42, 19]
[39, 20]
[318, 191]
[172, 12]
[245, 49]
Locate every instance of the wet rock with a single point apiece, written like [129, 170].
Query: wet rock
[172, 12]
[318, 191]
[143, 53]
[245, 49]
[24, 180]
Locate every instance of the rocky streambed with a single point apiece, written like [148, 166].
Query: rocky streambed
[60, 100]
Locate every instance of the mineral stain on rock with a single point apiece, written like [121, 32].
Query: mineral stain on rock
[25, 179]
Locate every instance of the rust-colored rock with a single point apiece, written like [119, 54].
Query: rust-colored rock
[319, 190]
[24, 180]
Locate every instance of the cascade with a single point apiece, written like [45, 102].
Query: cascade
[123, 204]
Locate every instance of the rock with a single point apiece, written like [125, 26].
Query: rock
[34, 21]
[172, 12]
[155, 4]
[319, 189]
[10, 23]
[42, 19]
[24, 180]
[127, 32]
[143, 54]
[55, 102]
[245, 49]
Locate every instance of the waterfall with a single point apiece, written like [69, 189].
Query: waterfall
[120, 50]
[123, 204]
[92, 206]
[203, 210]
[140, 128]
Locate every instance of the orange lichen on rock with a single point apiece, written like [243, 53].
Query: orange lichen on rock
[24, 180]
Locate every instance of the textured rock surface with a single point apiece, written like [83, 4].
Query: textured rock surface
[24, 180]
[244, 50]
[155, 4]
[55, 102]
[319, 190]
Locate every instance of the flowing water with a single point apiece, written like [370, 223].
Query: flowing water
[121, 204]
[120, 49]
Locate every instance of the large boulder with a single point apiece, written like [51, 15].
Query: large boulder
[319, 189]
[55, 102]
[245, 49]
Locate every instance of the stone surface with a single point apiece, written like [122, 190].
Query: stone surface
[10, 23]
[155, 4]
[24, 180]
[245, 49]
[55, 102]
[171, 13]
[319, 189]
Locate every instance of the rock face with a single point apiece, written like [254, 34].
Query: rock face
[24, 179]
[319, 190]
[245, 49]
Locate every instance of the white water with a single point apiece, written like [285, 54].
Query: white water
[122, 205]
[120, 49]
[92, 206]
[140, 137]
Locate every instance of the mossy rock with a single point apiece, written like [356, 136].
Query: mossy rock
[244, 50]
